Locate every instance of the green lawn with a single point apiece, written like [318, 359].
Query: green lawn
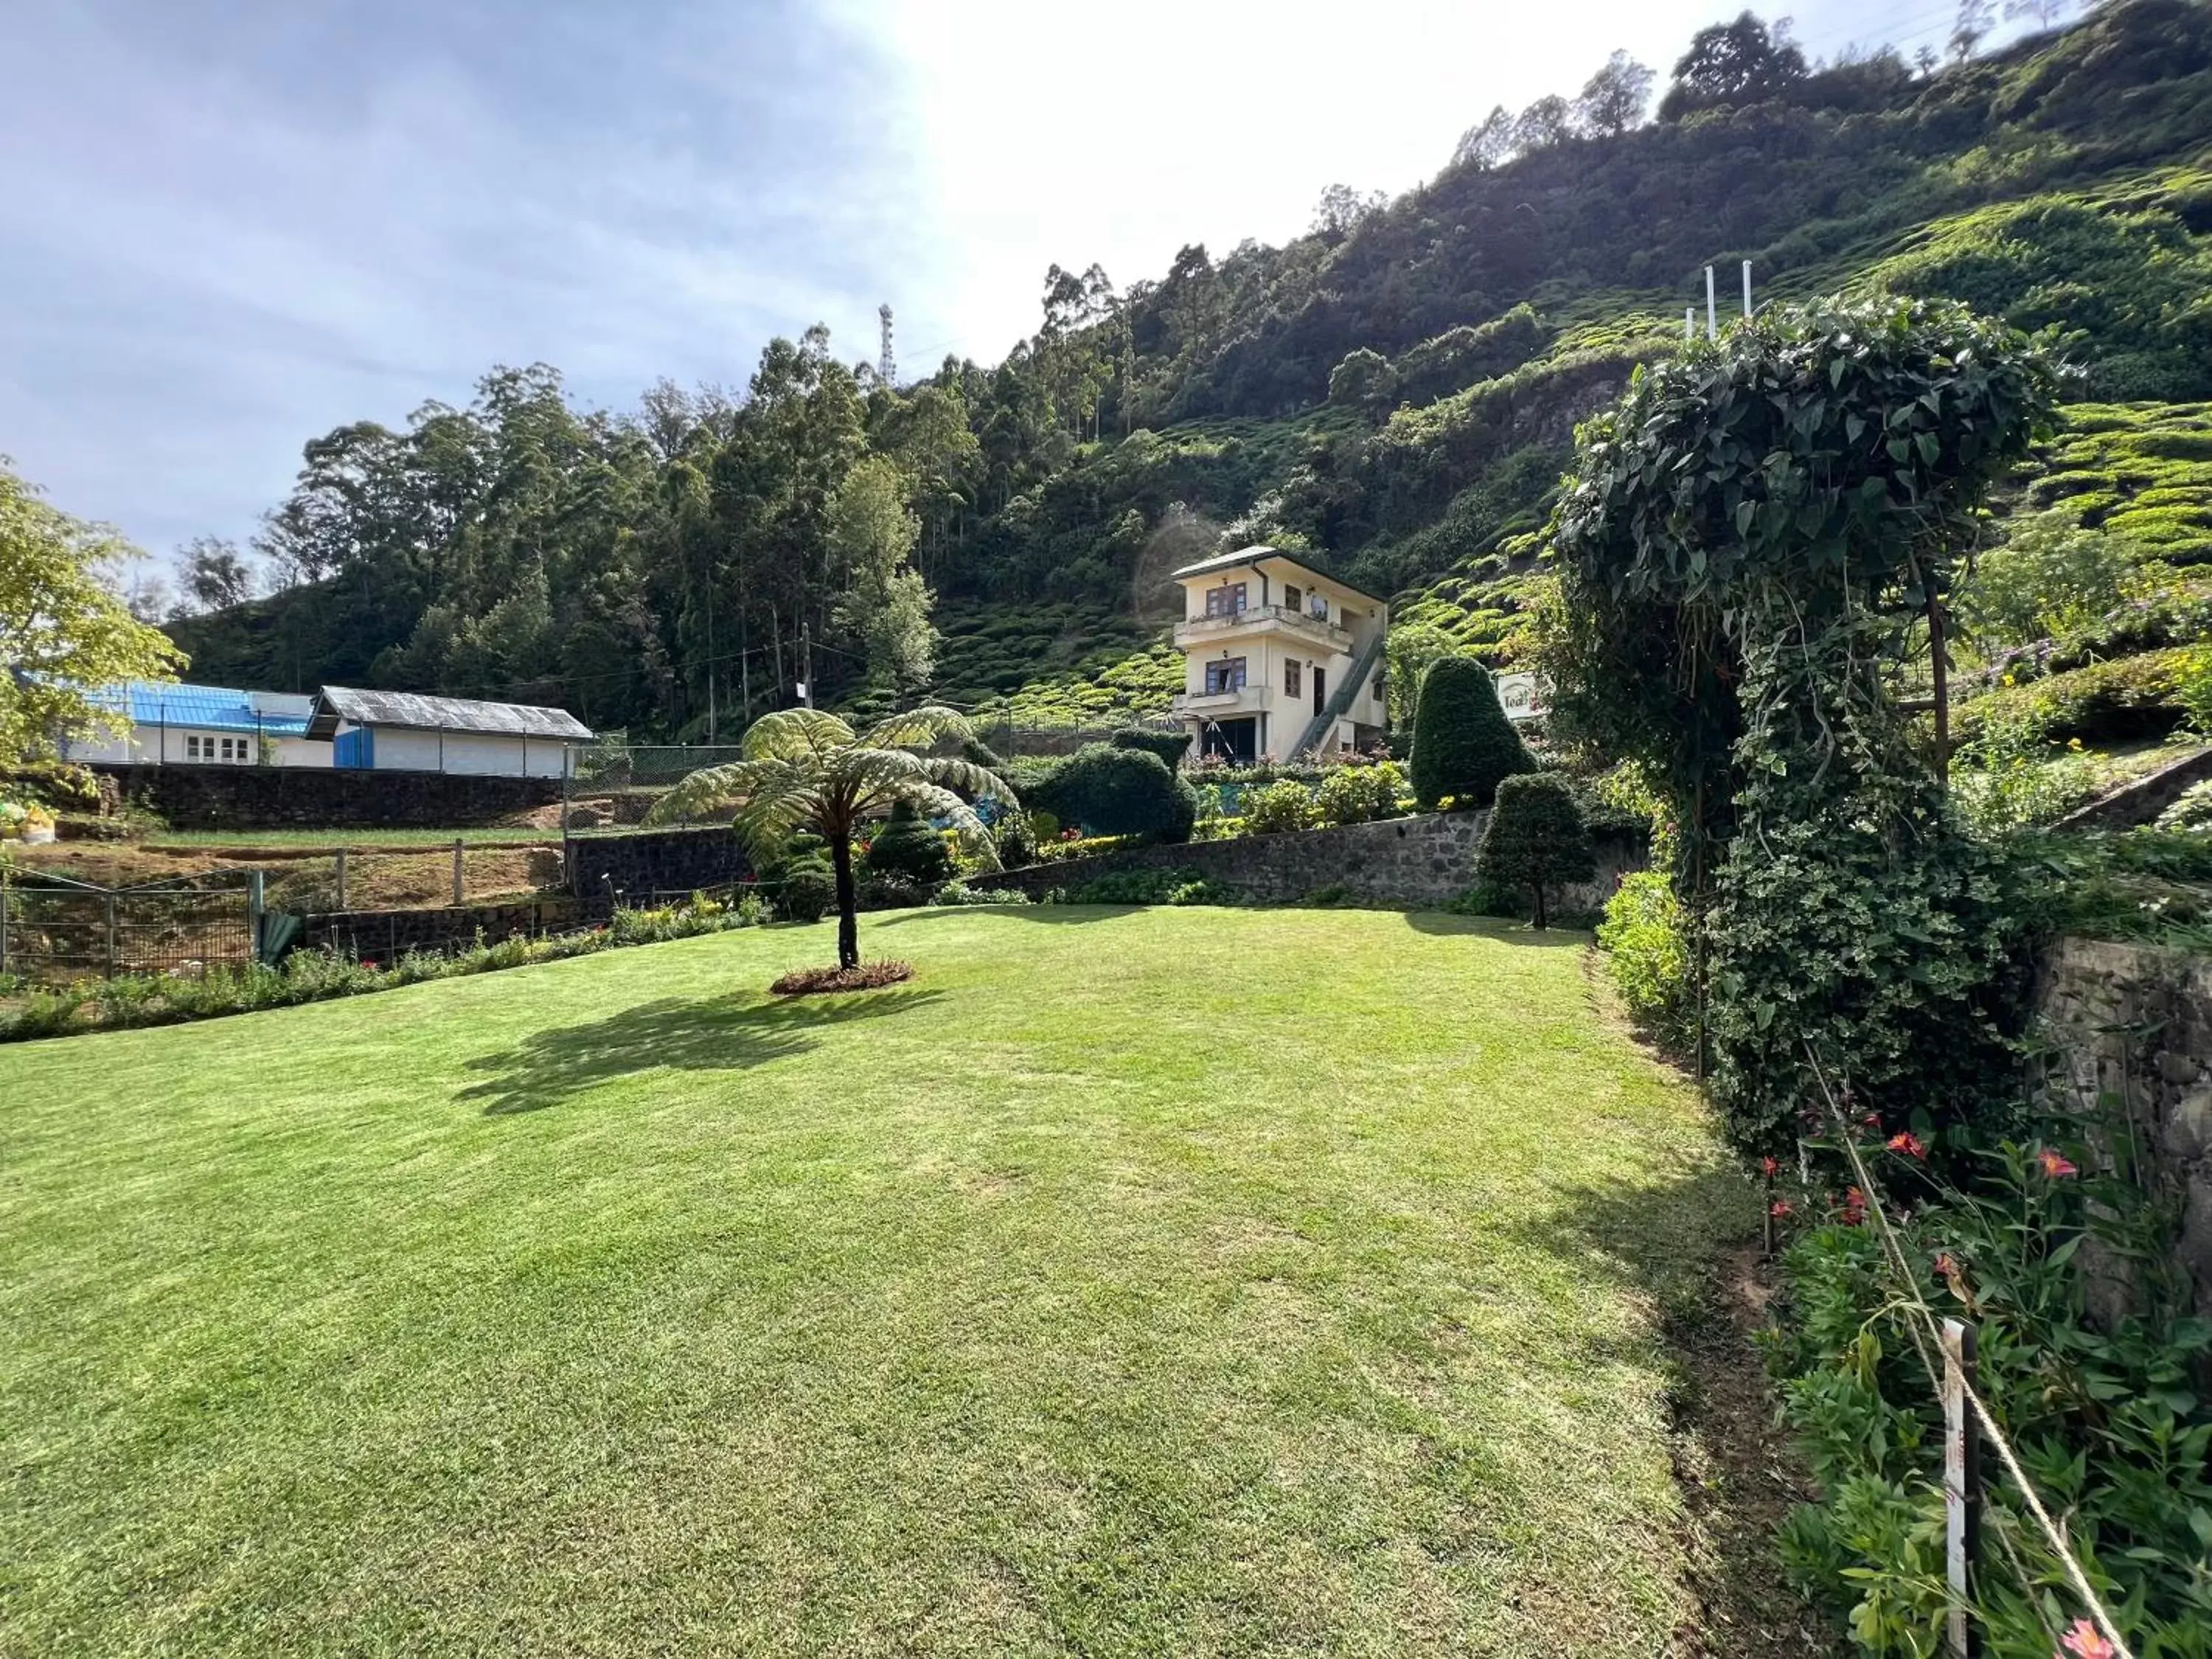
[1134, 1282]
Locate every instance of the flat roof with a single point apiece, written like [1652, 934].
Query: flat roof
[1254, 555]
[421, 712]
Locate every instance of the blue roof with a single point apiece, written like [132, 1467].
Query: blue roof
[211, 708]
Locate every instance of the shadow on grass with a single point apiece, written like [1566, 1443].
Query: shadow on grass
[1733, 1465]
[1060, 913]
[1508, 933]
[732, 1033]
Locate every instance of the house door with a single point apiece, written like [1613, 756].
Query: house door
[1320, 688]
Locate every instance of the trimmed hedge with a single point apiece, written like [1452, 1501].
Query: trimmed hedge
[1463, 745]
[1169, 746]
[1116, 792]
[906, 850]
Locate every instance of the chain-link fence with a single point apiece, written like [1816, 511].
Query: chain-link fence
[54, 928]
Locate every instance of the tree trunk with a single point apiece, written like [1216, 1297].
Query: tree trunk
[1540, 917]
[848, 920]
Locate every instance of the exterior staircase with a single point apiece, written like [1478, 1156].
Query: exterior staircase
[1348, 688]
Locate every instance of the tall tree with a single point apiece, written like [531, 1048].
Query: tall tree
[1614, 99]
[884, 604]
[1488, 143]
[64, 635]
[1736, 63]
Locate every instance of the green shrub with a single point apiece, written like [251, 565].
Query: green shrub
[1359, 794]
[2051, 577]
[807, 891]
[1535, 838]
[1277, 807]
[2105, 702]
[1647, 949]
[907, 851]
[1463, 745]
[1488, 898]
[1169, 746]
[1117, 792]
[1150, 887]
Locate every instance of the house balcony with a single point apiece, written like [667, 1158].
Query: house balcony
[1217, 705]
[1263, 619]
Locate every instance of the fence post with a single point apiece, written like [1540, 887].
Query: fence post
[457, 871]
[4, 920]
[256, 907]
[1962, 1487]
[111, 934]
[341, 879]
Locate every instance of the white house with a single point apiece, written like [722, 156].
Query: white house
[410, 731]
[159, 725]
[1282, 661]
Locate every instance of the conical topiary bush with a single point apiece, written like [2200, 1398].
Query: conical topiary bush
[1463, 745]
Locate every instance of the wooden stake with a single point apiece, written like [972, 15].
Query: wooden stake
[457, 870]
[1962, 1488]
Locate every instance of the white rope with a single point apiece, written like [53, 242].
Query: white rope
[1895, 1249]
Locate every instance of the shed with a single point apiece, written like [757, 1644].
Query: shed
[412, 732]
[166, 723]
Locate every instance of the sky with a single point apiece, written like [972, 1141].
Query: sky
[228, 226]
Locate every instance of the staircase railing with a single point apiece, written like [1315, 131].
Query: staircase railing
[1362, 670]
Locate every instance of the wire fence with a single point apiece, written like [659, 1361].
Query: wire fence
[55, 929]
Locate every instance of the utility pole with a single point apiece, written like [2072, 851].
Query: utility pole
[1712, 314]
[805, 663]
[710, 651]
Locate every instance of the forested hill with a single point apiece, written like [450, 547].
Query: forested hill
[1395, 391]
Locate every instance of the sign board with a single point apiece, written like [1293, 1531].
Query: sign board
[1524, 695]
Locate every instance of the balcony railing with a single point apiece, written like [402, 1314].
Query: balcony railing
[1264, 615]
[1217, 702]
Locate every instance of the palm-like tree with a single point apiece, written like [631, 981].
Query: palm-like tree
[806, 769]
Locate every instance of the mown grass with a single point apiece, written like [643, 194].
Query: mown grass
[1134, 1282]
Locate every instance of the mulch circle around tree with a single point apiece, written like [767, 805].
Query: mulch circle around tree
[868, 977]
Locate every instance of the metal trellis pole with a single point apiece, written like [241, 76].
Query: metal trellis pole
[1962, 1488]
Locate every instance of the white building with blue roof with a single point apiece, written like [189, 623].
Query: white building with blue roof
[178, 725]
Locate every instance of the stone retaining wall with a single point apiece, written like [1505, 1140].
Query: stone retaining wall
[1416, 863]
[2132, 1026]
[382, 935]
[654, 860]
[317, 797]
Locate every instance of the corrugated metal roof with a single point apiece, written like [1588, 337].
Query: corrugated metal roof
[211, 708]
[1252, 555]
[334, 703]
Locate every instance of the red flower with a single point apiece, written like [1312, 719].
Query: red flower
[1779, 1208]
[1768, 1166]
[2057, 1168]
[1909, 1143]
[1944, 1264]
[2084, 1641]
[1872, 1120]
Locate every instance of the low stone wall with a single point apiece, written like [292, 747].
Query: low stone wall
[2132, 1030]
[382, 935]
[2143, 799]
[655, 861]
[1416, 863]
[316, 797]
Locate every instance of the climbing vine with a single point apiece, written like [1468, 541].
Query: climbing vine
[1747, 547]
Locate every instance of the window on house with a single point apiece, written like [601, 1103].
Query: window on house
[1226, 675]
[1290, 671]
[1292, 597]
[191, 748]
[1224, 601]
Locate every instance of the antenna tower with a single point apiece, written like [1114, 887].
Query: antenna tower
[887, 367]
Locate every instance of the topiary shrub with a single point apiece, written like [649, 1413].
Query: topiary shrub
[1463, 745]
[1169, 746]
[1535, 838]
[907, 852]
[808, 889]
[1117, 792]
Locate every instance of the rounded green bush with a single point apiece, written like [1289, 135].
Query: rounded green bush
[1116, 792]
[906, 850]
[1535, 838]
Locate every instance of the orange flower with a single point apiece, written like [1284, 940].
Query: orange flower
[2084, 1641]
[2057, 1168]
[1767, 1166]
[1779, 1208]
[1909, 1143]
